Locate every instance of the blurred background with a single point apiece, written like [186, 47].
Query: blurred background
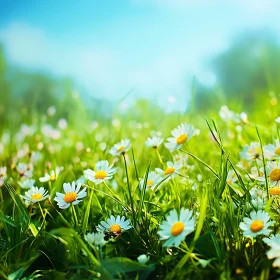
[95, 57]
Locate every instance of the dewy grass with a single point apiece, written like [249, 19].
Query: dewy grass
[203, 204]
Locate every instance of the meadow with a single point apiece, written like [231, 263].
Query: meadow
[141, 195]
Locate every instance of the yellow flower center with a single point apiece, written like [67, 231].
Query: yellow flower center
[177, 228]
[229, 181]
[150, 182]
[120, 148]
[52, 177]
[70, 197]
[115, 228]
[100, 174]
[169, 170]
[36, 196]
[274, 191]
[256, 226]
[277, 151]
[182, 138]
[275, 174]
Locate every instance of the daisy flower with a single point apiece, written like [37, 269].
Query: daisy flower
[71, 195]
[176, 227]
[143, 259]
[252, 151]
[23, 170]
[273, 172]
[181, 135]
[3, 175]
[226, 114]
[272, 151]
[274, 191]
[277, 119]
[257, 224]
[152, 180]
[27, 184]
[52, 176]
[154, 142]
[170, 171]
[231, 177]
[103, 171]
[274, 251]
[120, 148]
[35, 195]
[95, 239]
[114, 225]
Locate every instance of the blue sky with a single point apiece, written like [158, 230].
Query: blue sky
[154, 47]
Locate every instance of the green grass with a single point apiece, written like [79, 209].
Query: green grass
[44, 241]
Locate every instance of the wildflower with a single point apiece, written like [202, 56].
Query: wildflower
[274, 251]
[24, 171]
[176, 227]
[3, 175]
[72, 195]
[252, 151]
[170, 171]
[272, 151]
[273, 172]
[52, 176]
[181, 135]
[143, 259]
[27, 184]
[35, 195]
[154, 142]
[255, 173]
[120, 148]
[114, 225]
[277, 119]
[103, 171]
[231, 177]
[95, 239]
[152, 180]
[257, 224]
[274, 191]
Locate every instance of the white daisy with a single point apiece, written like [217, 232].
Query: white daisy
[273, 173]
[251, 151]
[95, 239]
[152, 180]
[72, 195]
[24, 170]
[181, 135]
[120, 148]
[274, 191]
[27, 184]
[170, 171]
[143, 258]
[35, 195]
[52, 176]
[272, 151]
[257, 224]
[103, 171]
[243, 117]
[277, 119]
[114, 225]
[176, 227]
[231, 177]
[154, 142]
[226, 114]
[274, 251]
[3, 175]
[255, 173]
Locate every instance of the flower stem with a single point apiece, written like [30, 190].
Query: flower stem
[74, 214]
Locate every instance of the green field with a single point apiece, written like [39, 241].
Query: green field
[123, 222]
